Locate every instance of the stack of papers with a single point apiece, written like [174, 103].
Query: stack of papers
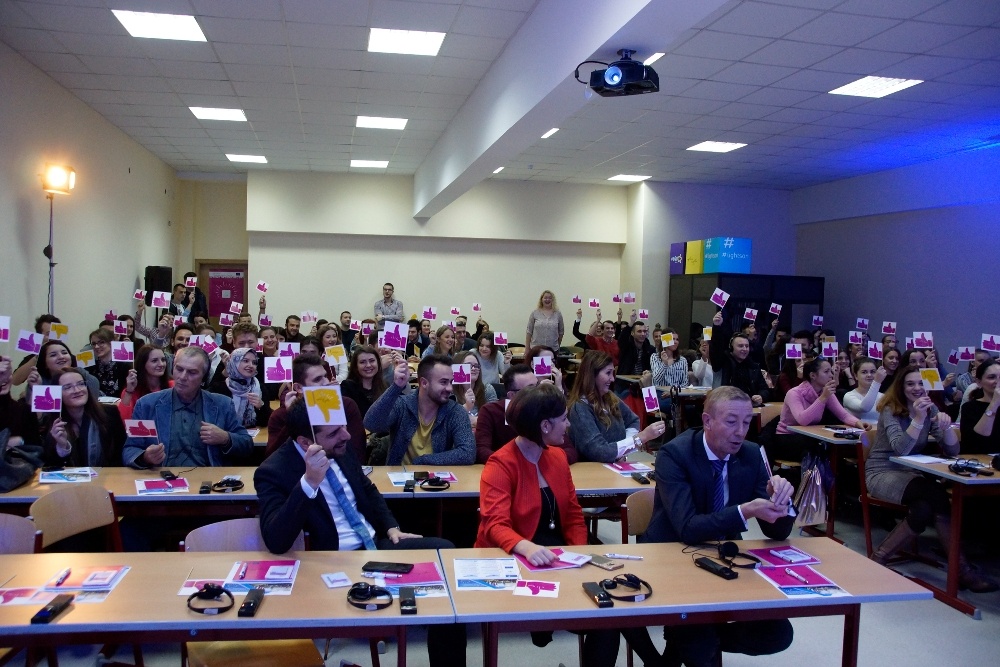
[426, 579]
[150, 486]
[400, 478]
[625, 469]
[66, 475]
[783, 556]
[486, 574]
[567, 559]
[276, 576]
[800, 581]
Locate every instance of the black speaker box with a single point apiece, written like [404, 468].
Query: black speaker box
[158, 279]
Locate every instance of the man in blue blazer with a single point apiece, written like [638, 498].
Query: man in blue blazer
[193, 427]
[693, 506]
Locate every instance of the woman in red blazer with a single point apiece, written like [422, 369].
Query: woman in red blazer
[528, 501]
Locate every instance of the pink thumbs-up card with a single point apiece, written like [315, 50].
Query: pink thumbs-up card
[277, 369]
[888, 327]
[990, 342]
[235, 307]
[862, 324]
[854, 338]
[394, 336]
[874, 349]
[817, 320]
[161, 300]
[191, 281]
[775, 309]
[594, 302]
[262, 287]
[461, 374]
[227, 319]
[719, 297]
[793, 350]
[617, 298]
[966, 353]
[750, 314]
[429, 313]
[477, 307]
[4, 328]
[121, 328]
[649, 399]
[355, 325]
[455, 310]
[923, 340]
[179, 320]
[577, 299]
[139, 295]
[29, 341]
[643, 314]
[264, 321]
[542, 366]
[830, 350]
[629, 297]
[46, 398]
[500, 338]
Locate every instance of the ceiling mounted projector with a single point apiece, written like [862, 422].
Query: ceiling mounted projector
[624, 77]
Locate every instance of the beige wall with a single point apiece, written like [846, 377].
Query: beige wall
[214, 216]
[118, 220]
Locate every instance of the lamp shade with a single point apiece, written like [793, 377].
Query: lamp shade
[58, 179]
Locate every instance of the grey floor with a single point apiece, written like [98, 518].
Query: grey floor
[912, 634]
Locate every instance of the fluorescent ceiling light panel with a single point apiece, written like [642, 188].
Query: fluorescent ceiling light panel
[875, 86]
[498, 170]
[653, 58]
[550, 133]
[370, 164]
[206, 113]
[160, 26]
[407, 42]
[628, 178]
[233, 157]
[382, 123]
[716, 146]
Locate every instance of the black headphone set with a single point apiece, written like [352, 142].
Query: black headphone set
[729, 551]
[366, 596]
[434, 484]
[211, 591]
[631, 582]
[227, 486]
[969, 467]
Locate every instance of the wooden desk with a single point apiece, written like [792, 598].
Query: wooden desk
[682, 595]
[961, 487]
[819, 432]
[145, 607]
[121, 482]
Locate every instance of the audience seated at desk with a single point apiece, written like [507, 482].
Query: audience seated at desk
[476, 393]
[732, 365]
[528, 500]
[980, 434]
[492, 362]
[241, 385]
[602, 427]
[861, 400]
[442, 345]
[84, 433]
[602, 337]
[635, 351]
[194, 427]
[425, 427]
[907, 419]
[709, 483]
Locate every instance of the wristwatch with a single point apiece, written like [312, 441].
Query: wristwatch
[990, 413]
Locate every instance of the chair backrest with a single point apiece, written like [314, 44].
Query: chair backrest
[640, 510]
[576, 350]
[19, 535]
[232, 535]
[769, 411]
[73, 509]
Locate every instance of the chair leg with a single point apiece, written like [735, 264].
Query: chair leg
[628, 654]
[373, 648]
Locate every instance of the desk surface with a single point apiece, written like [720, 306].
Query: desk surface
[158, 577]
[819, 432]
[678, 585]
[941, 470]
[589, 478]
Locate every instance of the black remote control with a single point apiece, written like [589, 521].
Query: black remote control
[407, 600]
[53, 609]
[640, 477]
[716, 568]
[167, 475]
[598, 594]
[206, 487]
[409, 486]
[252, 602]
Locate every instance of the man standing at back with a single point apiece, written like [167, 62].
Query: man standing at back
[388, 308]
[709, 483]
[426, 427]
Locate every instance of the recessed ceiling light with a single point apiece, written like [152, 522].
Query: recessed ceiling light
[875, 86]
[550, 133]
[653, 58]
[629, 178]
[382, 123]
[160, 26]
[498, 170]
[408, 42]
[246, 158]
[206, 113]
[370, 164]
[716, 146]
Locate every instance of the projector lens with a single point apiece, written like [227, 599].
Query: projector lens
[612, 75]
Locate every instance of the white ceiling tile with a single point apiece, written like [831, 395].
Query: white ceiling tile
[798, 115]
[862, 62]
[326, 36]
[55, 62]
[398, 15]
[259, 73]
[481, 47]
[264, 89]
[709, 44]
[485, 22]
[353, 12]
[787, 52]
[748, 111]
[251, 54]
[168, 49]
[777, 96]
[127, 66]
[763, 20]
[69, 18]
[450, 85]
[341, 78]
[388, 97]
[181, 69]
[917, 37]
[753, 74]
[459, 67]
[974, 74]
[964, 12]
[841, 29]
[717, 90]
[887, 8]
[397, 64]
[242, 31]
[12, 15]
[820, 82]
[984, 44]
[27, 39]
[244, 9]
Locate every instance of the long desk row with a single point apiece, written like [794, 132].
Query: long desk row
[589, 479]
[146, 607]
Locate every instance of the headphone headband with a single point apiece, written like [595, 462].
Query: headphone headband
[728, 551]
[211, 591]
[365, 596]
[630, 581]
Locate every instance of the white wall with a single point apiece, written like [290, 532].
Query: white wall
[674, 212]
[931, 270]
[113, 225]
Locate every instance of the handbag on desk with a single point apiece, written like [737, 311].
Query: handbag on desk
[17, 464]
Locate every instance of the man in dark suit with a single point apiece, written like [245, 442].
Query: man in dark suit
[319, 486]
[709, 483]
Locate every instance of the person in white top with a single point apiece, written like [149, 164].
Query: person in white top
[701, 369]
[861, 400]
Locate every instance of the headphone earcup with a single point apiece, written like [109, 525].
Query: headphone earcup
[728, 550]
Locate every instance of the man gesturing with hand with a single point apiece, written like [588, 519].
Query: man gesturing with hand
[709, 483]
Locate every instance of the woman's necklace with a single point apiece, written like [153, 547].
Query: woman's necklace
[552, 509]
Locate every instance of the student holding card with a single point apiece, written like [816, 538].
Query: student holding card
[330, 335]
[980, 434]
[476, 394]
[43, 324]
[365, 381]
[701, 368]
[861, 400]
[602, 427]
[55, 356]
[808, 403]
[670, 369]
[149, 375]
[907, 420]
[890, 362]
[732, 364]
[528, 501]
[443, 345]
[491, 362]
[160, 336]
[84, 433]
[111, 375]
[130, 336]
[242, 386]
[545, 324]
[968, 378]
[602, 337]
